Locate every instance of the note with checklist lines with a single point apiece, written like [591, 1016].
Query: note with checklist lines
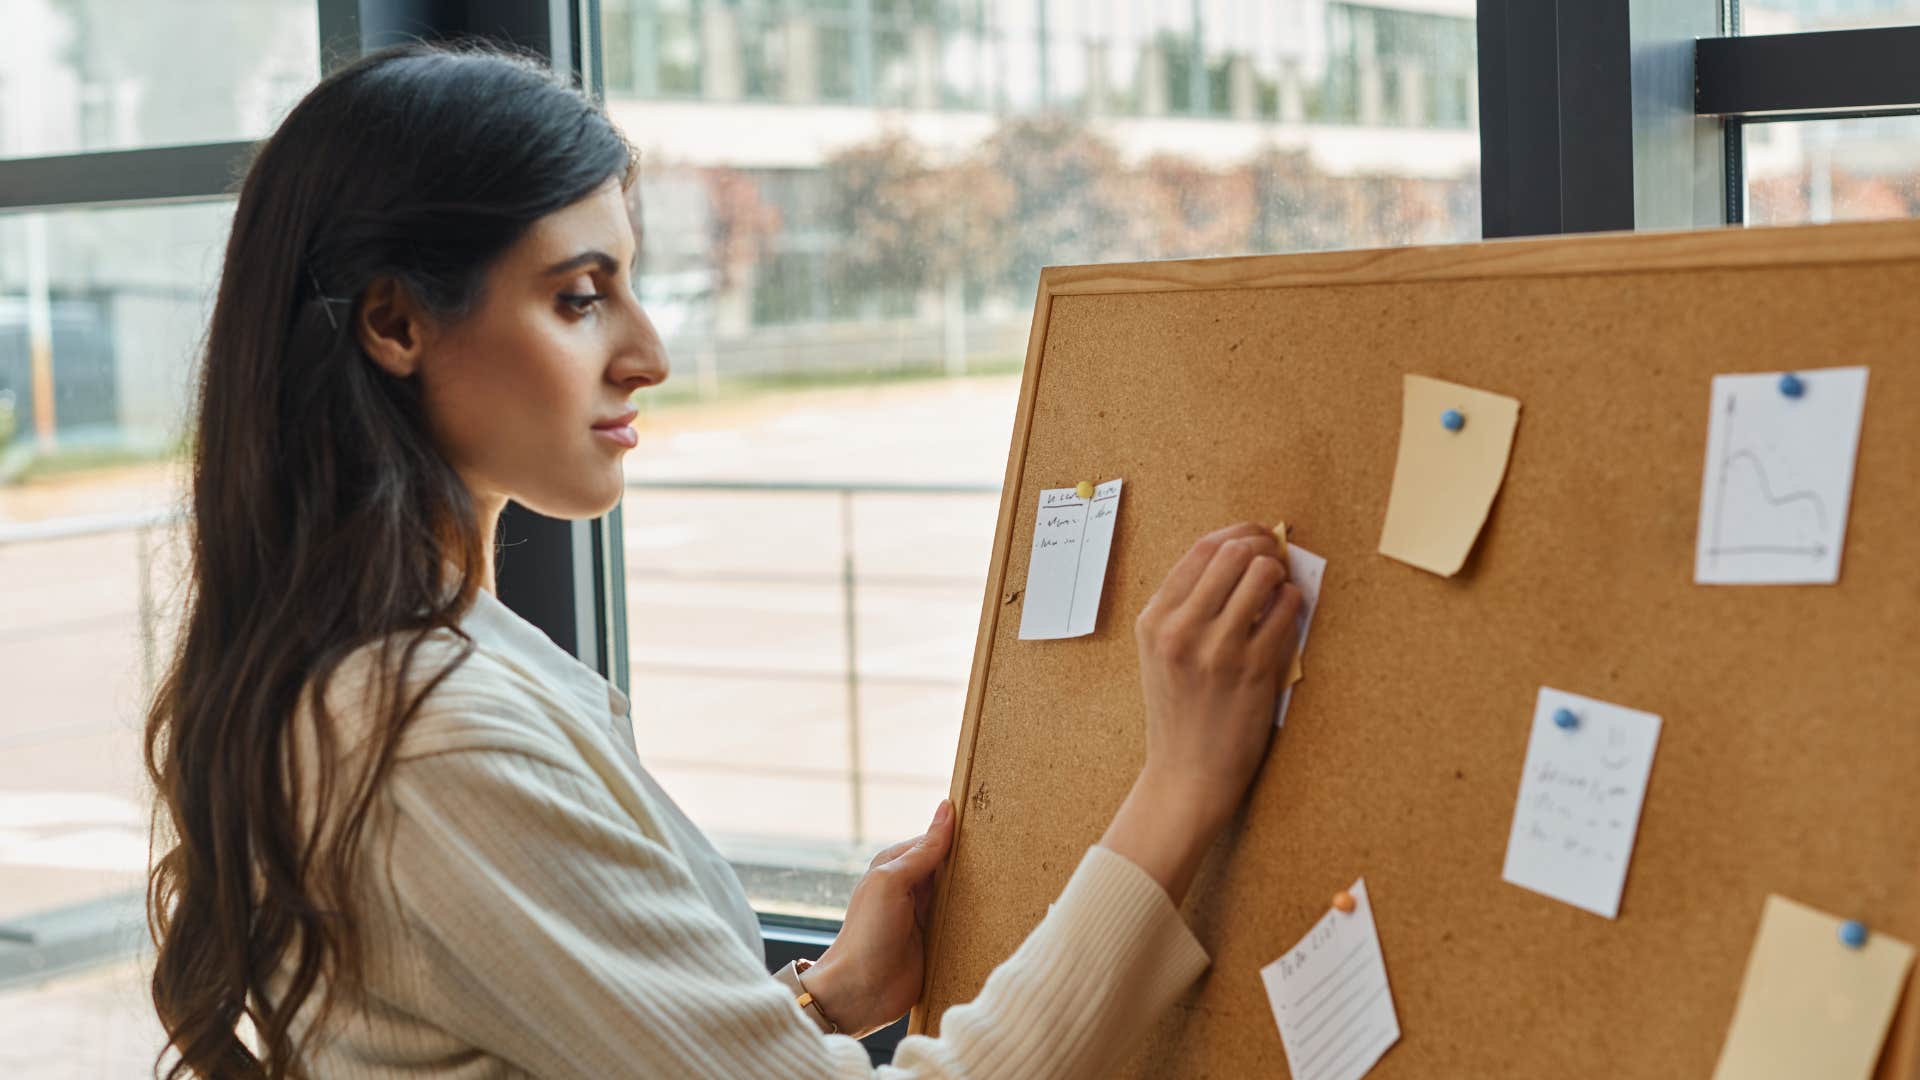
[1330, 996]
[1067, 571]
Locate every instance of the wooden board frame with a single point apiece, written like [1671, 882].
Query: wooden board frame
[959, 939]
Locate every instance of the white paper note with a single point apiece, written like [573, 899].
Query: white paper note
[1579, 805]
[1071, 539]
[1330, 996]
[1779, 476]
[1306, 570]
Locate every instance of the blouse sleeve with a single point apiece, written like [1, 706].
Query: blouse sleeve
[551, 931]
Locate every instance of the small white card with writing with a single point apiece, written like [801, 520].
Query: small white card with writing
[1580, 796]
[1330, 996]
[1071, 539]
[1304, 569]
[1779, 477]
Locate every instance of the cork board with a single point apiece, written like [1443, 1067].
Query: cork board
[1269, 387]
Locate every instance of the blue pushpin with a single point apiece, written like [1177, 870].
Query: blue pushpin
[1566, 719]
[1791, 385]
[1452, 420]
[1853, 933]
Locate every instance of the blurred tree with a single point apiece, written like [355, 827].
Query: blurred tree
[1297, 207]
[741, 224]
[1071, 198]
[905, 222]
[1046, 190]
[1186, 210]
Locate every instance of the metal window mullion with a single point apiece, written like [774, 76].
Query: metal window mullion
[1828, 71]
[863, 30]
[124, 177]
[643, 35]
[1585, 121]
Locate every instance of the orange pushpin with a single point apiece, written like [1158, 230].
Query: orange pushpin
[1084, 489]
[1343, 902]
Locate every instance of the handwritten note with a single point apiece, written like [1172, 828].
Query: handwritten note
[1779, 477]
[1810, 1006]
[1445, 479]
[1580, 797]
[1306, 570]
[1330, 996]
[1068, 569]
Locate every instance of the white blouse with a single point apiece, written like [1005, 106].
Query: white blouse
[532, 904]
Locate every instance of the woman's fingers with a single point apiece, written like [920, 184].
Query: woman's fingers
[1222, 574]
[1257, 589]
[1187, 571]
[1278, 635]
[924, 853]
[891, 852]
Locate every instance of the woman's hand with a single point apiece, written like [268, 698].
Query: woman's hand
[871, 975]
[1214, 642]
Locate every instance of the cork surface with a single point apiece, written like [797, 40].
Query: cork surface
[1269, 388]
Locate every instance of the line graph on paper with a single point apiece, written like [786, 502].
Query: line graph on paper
[1779, 474]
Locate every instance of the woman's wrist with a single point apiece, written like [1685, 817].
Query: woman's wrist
[835, 999]
[1165, 827]
[1202, 805]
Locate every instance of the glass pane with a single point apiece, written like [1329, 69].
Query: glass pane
[1788, 16]
[101, 315]
[1832, 170]
[104, 74]
[845, 279]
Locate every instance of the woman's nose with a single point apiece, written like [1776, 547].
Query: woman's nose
[643, 357]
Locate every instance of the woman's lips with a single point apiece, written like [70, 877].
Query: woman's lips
[619, 430]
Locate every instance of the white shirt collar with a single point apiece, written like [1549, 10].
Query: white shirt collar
[500, 630]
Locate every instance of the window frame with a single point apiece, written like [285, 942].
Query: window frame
[1810, 75]
[1630, 114]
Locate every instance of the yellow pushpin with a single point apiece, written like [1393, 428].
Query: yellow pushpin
[1343, 902]
[1084, 489]
[1294, 672]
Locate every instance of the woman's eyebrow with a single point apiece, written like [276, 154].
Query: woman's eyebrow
[595, 257]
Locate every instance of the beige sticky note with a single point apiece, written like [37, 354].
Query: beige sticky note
[1811, 1006]
[1444, 481]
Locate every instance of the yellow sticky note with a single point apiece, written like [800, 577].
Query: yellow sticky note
[1811, 1006]
[1444, 480]
[1294, 671]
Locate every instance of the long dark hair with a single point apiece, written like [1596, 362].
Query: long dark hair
[322, 517]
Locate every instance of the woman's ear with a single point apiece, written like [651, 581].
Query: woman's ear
[392, 328]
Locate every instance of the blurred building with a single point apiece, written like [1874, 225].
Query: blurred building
[762, 97]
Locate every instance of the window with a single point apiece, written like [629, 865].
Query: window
[1787, 16]
[101, 313]
[1810, 170]
[845, 286]
[1856, 169]
[96, 75]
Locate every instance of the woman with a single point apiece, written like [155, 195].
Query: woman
[407, 839]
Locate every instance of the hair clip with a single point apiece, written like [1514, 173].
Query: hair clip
[326, 302]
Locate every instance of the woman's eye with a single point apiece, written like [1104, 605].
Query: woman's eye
[581, 303]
